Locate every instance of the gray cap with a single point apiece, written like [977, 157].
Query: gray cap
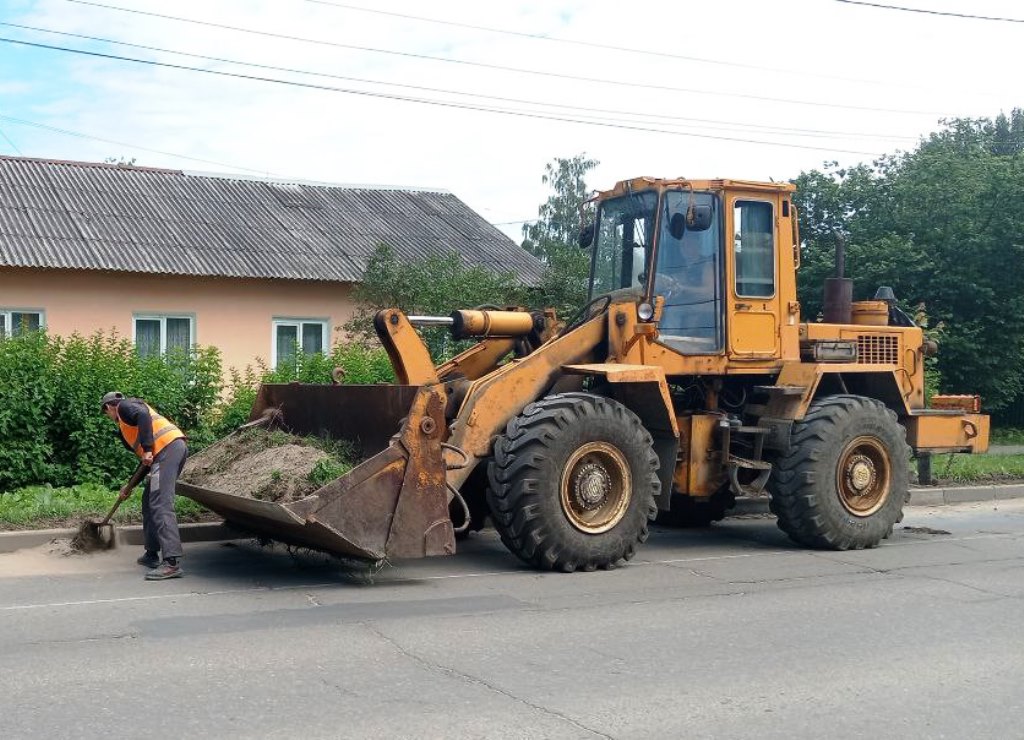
[112, 397]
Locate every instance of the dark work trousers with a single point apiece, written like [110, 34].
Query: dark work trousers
[159, 525]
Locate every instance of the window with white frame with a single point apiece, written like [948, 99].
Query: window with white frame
[15, 321]
[156, 334]
[308, 336]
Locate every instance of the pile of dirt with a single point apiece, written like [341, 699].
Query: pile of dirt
[270, 466]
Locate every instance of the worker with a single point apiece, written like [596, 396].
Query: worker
[160, 445]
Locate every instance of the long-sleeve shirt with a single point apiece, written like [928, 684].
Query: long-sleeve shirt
[134, 411]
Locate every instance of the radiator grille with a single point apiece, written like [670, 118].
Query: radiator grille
[876, 349]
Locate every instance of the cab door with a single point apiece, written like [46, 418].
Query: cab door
[753, 292]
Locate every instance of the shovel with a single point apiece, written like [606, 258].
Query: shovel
[98, 534]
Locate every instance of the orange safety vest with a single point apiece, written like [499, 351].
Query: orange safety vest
[164, 432]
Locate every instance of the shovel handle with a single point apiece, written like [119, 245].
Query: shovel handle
[137, 476]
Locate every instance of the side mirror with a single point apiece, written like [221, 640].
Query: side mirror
[696, 218]
[586, 237]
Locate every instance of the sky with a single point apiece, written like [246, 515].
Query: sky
[476, 97]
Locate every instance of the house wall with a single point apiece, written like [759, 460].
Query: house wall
[234, 315]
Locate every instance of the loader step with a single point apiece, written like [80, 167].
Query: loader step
[781, 390]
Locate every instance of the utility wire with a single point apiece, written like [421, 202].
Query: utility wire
[733, 125]
[593, 44]
[518, 70]
[8, 140]
[427, 101]
[80, 135]
[933, 12]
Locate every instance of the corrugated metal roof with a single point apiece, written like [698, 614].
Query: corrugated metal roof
[81, 215]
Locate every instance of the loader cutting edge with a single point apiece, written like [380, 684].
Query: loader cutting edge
[392, 505]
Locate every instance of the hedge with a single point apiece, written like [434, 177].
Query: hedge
[51, 428]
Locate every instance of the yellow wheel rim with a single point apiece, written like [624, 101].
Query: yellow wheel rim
[864, 476]
[596, 487]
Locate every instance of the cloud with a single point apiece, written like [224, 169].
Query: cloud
[494, 162]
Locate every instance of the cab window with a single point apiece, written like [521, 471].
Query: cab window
[754, 248]
[688, 278]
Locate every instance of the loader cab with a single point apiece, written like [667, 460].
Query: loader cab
[713, 251]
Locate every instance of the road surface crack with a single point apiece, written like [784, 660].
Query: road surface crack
[453, 673]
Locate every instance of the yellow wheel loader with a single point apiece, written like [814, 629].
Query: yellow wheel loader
[690, 378]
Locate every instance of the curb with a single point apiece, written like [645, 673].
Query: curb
[128, 534]
[919, 496]
[131, 534]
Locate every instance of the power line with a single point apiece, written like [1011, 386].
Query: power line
[8, 140]
[427, 101]
[591, 44]
[733, 125]
[80, 135]
[503, 68]
[933, 12]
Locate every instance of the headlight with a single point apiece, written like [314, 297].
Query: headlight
[645, 311]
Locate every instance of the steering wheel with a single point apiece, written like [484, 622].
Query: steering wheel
[585, 313]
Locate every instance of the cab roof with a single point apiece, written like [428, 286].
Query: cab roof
[658, 183]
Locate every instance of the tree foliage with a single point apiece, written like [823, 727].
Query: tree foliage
[434, 286]
[552, 238]
[944, 225]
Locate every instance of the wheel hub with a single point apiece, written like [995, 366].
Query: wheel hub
[864, 476]
[596, 487]
[593, 484]
[860, 473]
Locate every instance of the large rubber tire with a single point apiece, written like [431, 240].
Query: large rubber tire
[689, 512]
[845, 479]
[573, 482]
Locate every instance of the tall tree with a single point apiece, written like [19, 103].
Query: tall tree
[553, 236]
[944, 225]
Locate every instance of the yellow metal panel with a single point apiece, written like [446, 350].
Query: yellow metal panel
[753, 323]
[948, 432]
[408, 354]
[754, 333]
[701, 472]
[653, 406]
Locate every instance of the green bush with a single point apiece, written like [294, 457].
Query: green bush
[27, 397]
[51, 428]
[362, 364]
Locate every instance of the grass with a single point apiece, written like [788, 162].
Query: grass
[41, 507]
[1007, 436]
[977, 469]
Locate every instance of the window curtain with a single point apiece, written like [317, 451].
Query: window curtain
[312, 338]
[179, 334]
[147, 337]
[24, 322]
[287, 342]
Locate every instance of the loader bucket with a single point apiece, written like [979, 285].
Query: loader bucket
[392, 505]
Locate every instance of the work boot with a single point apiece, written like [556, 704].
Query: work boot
[165, 570]
[150, 559]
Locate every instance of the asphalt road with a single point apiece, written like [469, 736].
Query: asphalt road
[725, 633]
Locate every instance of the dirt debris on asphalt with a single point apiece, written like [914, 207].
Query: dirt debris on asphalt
[268, 465]
[924, 530]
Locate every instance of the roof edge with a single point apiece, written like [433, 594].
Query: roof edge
[312, 183]
[98, 165]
